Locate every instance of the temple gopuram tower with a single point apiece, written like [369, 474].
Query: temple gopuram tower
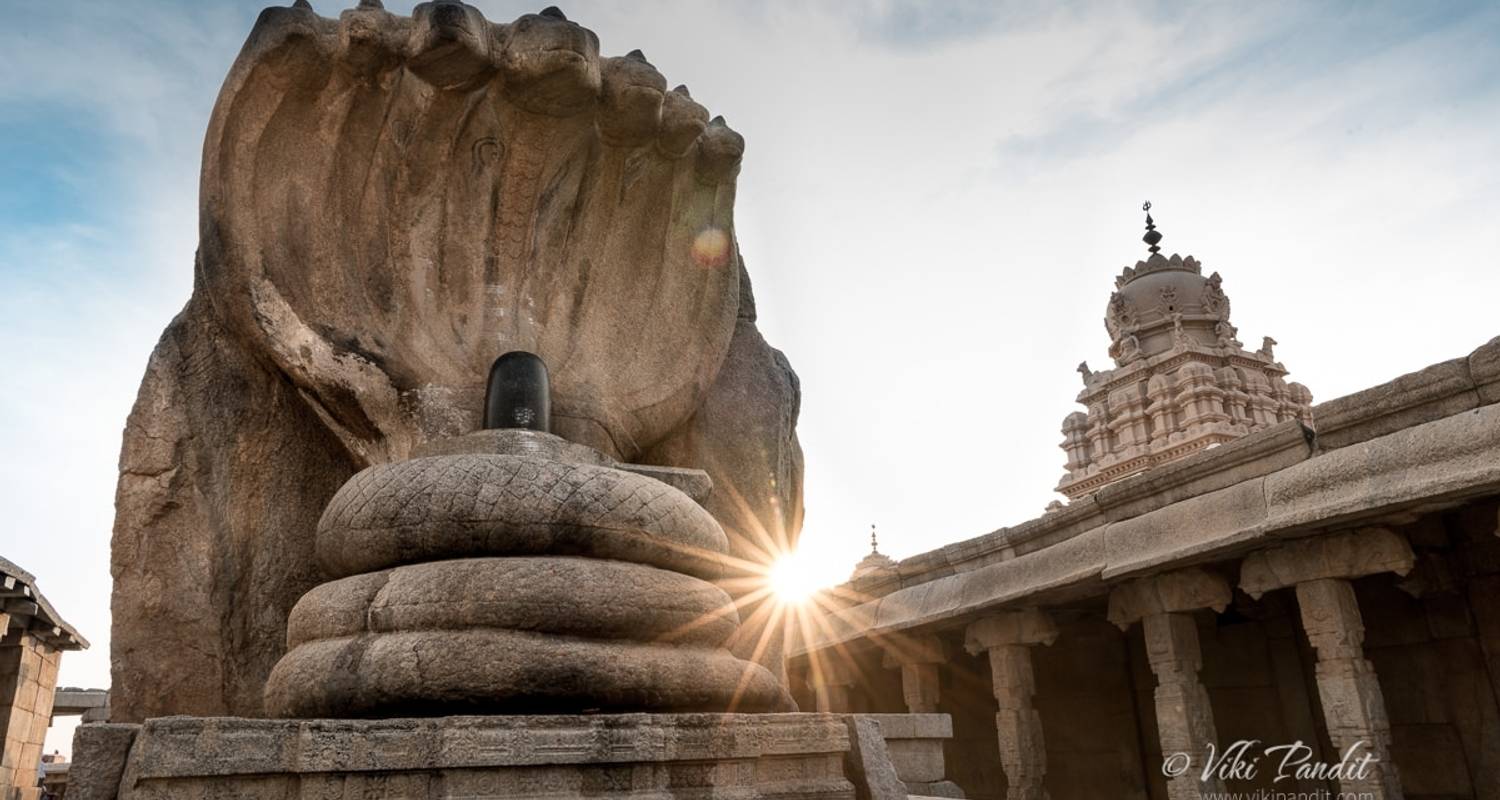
[1182, 382]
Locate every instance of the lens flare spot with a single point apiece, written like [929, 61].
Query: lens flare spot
[794, 578]
[711, 248]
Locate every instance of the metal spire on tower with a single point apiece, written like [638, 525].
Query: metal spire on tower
[1152, 234]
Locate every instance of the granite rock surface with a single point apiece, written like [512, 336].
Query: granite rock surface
[388, 203]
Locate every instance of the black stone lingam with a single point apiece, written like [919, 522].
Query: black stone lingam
[519, 393]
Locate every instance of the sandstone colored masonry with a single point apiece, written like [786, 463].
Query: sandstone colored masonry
[387, 204]
[1182, 382]
[1330, 579]
[33, 638]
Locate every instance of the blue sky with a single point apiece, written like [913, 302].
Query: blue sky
[934, 202]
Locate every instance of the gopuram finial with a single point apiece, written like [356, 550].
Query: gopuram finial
[874, 547]
[1152, 235]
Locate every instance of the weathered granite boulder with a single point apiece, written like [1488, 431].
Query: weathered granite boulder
[387, 203]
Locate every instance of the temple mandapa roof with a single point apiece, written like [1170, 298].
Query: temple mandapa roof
[23, 606]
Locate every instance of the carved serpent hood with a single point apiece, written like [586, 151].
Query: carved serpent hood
[390, 202]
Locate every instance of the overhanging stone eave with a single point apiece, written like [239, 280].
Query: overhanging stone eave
[946, 600]
[1255, 454]
[1429, 466]
[47, 623]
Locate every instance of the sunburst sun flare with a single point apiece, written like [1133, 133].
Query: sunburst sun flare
[794, 578]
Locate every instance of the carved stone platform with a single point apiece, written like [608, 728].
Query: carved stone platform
[635, 755]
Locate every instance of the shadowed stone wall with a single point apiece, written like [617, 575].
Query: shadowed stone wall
[1437, 655]
[1088, 712]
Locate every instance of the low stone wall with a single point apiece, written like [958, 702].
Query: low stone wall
[646, 755]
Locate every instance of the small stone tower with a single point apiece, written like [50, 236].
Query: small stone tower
[874, 564]
[1182, 380]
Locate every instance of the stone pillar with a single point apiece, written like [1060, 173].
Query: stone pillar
[1008, 639]
[28, 678]
[918, 658]
[1320, 569]
[1184, 718]
[1353, 706]
[831, 679]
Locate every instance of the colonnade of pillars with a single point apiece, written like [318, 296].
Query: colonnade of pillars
[1319, 570]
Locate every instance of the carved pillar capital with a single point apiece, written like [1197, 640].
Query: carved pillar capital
[1027, 627]
[1008, 638]
[1348, 555]
[1170, 592]
[1184, 718]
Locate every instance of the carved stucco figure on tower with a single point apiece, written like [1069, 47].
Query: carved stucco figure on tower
[1182, 380]
[387, 203]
